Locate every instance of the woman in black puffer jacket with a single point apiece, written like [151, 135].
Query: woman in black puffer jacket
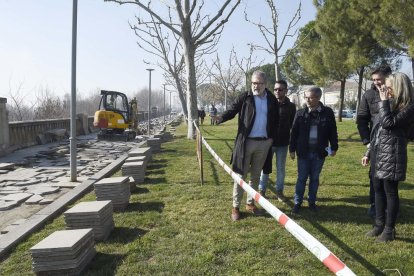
[388, 149]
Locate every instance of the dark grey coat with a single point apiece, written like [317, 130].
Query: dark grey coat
[245, 107]
[391, 147]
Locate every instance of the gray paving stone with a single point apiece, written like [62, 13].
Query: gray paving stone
[8, 229]
[34, 199]
[61, 241]
[4, 193]
[19, 221]
[6, 205]
[43, 190]
[46, 201]
[6, 166]
[17, 197]
[28, 182]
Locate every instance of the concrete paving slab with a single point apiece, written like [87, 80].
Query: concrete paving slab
[28, 182]
[7, 205]
[43, 190]
[18, 197]
[8, 229]
[19, 221]
[46, 201]
[34, 199]
[6, 166]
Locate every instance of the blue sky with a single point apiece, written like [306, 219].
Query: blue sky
[35, 44]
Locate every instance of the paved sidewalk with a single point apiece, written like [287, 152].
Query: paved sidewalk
[43, 172]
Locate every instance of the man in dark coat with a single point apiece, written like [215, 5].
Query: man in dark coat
[258, 119]
[314, 135]
[366, 118]
[287, 112]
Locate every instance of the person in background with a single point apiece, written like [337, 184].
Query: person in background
[367, 112]
[287, 111]
[213, 113]
[314, 135]
[257, 121]
[388, 151]
[201, 115]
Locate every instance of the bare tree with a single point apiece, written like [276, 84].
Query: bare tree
[270, 33]
[245, 64]
[194, 29]
[49, 106]
[228, 77]
[18, 110]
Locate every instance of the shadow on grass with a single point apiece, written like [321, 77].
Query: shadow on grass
[125, 235]
[159, 161]
[139, 190]
[215, 175]
[365, 263]
[104, 264]
[341, 214]
[156, 206]
[155, 180]
[406, 186]
[167, 150]
[153, 166]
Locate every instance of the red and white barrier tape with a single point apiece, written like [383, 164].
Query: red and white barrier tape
[313, 245]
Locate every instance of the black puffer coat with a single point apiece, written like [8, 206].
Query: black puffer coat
[244, 106]
[391, 144]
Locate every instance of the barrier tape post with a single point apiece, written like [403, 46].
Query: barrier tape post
[324, 255]
[199, 146]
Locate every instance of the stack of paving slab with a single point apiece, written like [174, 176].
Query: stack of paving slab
[141, 152]
[115, 189]
[65, 252]
[135, 170]
[154, 144]
[91, 214]
[142, 158]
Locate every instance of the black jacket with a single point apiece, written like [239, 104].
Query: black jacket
[327, 132]
[367, 111]
[244, 106]
[391, 147]
[287, 111]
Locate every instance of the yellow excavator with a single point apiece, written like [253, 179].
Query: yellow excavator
[116, 118]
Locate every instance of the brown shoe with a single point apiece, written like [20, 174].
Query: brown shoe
[251, 208]
[235, 214]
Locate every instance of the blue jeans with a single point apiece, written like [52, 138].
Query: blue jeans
[281, 153]
[308, 167]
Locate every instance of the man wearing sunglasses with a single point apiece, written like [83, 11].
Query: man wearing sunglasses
[287, 111]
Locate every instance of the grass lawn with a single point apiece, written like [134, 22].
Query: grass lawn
[175, 226]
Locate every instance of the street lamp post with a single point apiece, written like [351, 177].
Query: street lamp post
[149, 101]
[170, 104]
[164, 102]
[72, 139]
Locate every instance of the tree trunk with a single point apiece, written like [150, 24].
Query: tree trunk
[181, 96]
[189, 53]
[277, 70]
[341, 96]
[360, 80]
[412, 66]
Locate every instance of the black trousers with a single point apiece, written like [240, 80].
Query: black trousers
[386, 198]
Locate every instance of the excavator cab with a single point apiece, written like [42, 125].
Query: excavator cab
[115, 117]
